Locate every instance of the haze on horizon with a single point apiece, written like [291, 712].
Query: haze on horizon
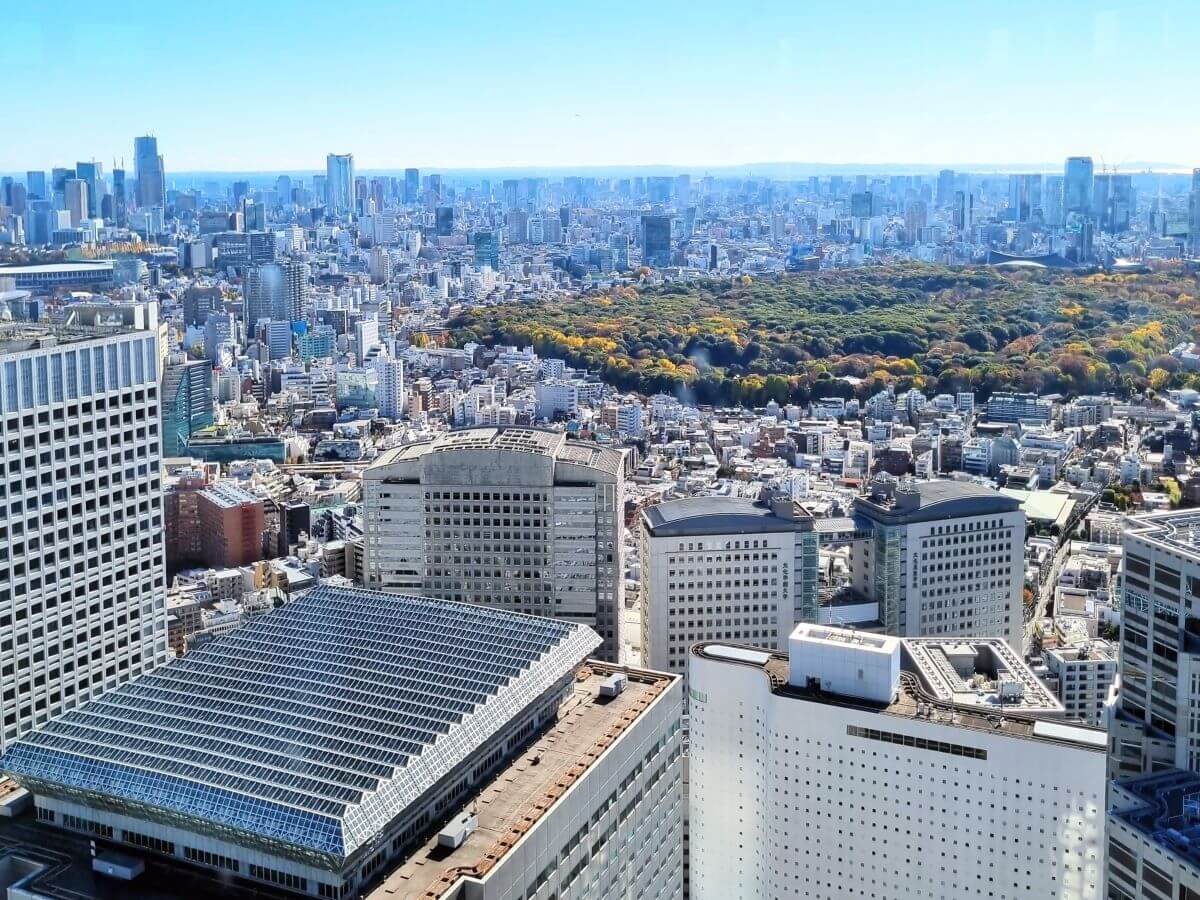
[539, 85]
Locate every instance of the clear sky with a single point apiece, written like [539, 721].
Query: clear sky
[264, 85]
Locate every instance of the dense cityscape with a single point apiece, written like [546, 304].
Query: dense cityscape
[787, 530]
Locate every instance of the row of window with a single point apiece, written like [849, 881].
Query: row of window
[891, 737]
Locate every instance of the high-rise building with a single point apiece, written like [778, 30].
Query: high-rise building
[944, 558]
[1154, 732]
[276, 336]
[369, 744]
[277, 290]
[945, 187]
[1024, 196]
[412, 185]
[35, 183]
[487, 249]
[1077, 186]
[767, 554]
[1112, 202]
[656, 240]
[552, 542]
[445, 220]
[1052, 200]
[148, 169]
[187, 403]
[390, 387]
[339, 183]
[964, 212]
[75, 199]
[860, 765]
[91, 172]
[120, 199]
[1194, 214]
[39, 222]
[82, 596]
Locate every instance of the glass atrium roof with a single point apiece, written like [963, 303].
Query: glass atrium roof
[311, 727]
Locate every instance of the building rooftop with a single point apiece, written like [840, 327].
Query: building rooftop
[527, 787]
[719, 515]
[540, 442]
[312, 727]
[19, 337]
[1177, 531]
[228, 495]
[1166, 811]
[89, 265]
[982, 672]
[914, 701]
[925, 501]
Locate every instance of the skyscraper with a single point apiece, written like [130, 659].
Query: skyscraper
[656, 240]
[846, 768]
[187, 403]
[1077, 186]
[277, 290]
[412, 185]
[963, 214]
[552, 543]
[1154, 732]
[1024, 196]
[945, 558]
[339, 183]
[120, 199]
[1052, 200]
[35, 183]
[148, 169]
[945, 187]
[390, 387]
[91, 173]
[487, 249]
[767, 552]
[445, 220]
[1194, 214]
[75, 199]
[82, 595]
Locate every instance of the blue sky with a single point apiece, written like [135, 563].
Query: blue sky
[264, 85]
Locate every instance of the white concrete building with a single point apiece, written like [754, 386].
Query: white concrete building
[723, 568]
[848, 771]
[513, 517]
[554, 397]
[389, 390]
[945, 558]
[1084, 674]
[82, 592]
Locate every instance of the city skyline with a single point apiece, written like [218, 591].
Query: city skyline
[535, 86]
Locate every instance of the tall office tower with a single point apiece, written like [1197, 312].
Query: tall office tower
[1194, 214]
[945, 187]
[513, 517]
[487, 249]
[339, 183]
[945, 558]
[120, 199]
[148, 170]
[861, 765]
[370, 744]
[683, 190]
[39, 224]
[20, 199]
[445, 221]
[619, 244]
[283, 191]
[1024, 196]
[1052, 200]
[277, 290]
[75, 199]
[1077, 186]
[35, 184]
[187, 403]
[389, 388]
[412, 185]
[1154, 731]
[254, 215]
[656, 241]
[916, 217]
[220, 330]
[765, 554]
[1119, 209]
[435, 187]
[276, 336]
[91, 173]
[82, 595]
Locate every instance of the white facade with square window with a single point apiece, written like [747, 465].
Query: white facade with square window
[82, 591]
